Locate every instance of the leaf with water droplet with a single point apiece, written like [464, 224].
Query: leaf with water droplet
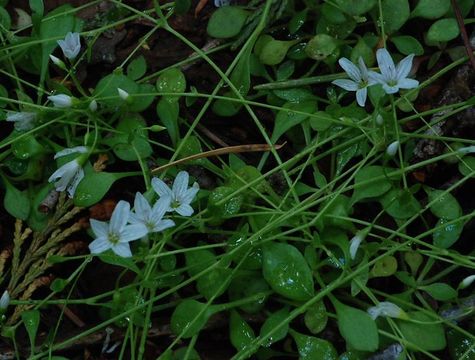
[189, 317]
[444, 204]
[447, 233]
[240, 333]
[312, 348]
[316, 317]
[271, 323]
[286, 271]
[31, 320]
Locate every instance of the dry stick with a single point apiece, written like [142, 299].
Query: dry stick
[463, 32]
[221, 151]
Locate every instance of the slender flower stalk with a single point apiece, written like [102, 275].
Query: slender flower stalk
[24, 121]
[116, 234]
[359, 79]
[393, 77]
[71, 45]
[181, 196]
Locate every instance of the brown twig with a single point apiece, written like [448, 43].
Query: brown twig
[463, 32]
[221, 151]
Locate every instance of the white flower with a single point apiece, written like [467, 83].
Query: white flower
[71, 45]
[116, 234]
[393, 78]
[360, 79]
[355, 244]
[387, 308]
[148, 217]
[4, 300]
[465, 283]
[124, 95]
[93, 106]
[68, 176]
[180, 195]
[392, 148]
[61, 100]
[24, 121]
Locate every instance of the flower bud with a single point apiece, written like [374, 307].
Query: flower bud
[4, 301]
[392, 148]
[93, 106]
[124, 95]
[61, 100]
[59, 63]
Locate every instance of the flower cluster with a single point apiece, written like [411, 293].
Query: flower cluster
[391, 77]
[126, 225]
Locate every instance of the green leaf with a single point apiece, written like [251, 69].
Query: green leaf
[240, 333]
[16, 202]
[357, 327]
[271, 323]
[247, 285]
[58, 285]
[189, 317]
[447, 233]
[27, 147]
[5, 19]
[373, 188]
[286, 271]
[355, 7]
[273, 51]
[182, 6]
[414, 260]
[316, 317]
[137, 68]
[322, 46]
[288, 118]
[440, 291]
[31, 320]
[220, 209]
[94, 186]
[297, 21]
[131, 139]
[467, 166]
[461, 346]
[214, 282]
[400, 204]
[198, 261]
[431, 9]
[443, 30]
[168, 112]
[384, 267]
[408, 45]
[226, 22]
[429, 336]
[444, 204]
[313, 348]
[171, 81]
[395, 13]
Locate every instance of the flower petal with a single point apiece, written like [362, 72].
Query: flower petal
[184, 210]
[361, 96]
[375, 78]
[160, 208]
[363, 69]
[386, 64]
[164, 224]
[408, 83]
[354, 245]
[122, 249]
[161, 188]
[404, 67]
[142, 206]
[346, 84]
[73, 184]
[190, 194]
[63, 176]
[390, 89]
[99, 245]
[67, 151]
[180, 184]
[119, 217]
[99, 228]
[351, 69]
[133, 232]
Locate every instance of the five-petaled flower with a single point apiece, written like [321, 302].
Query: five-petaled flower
[392, 77]
[151, 218]
[24, 121]
[360, 79]
[116, 234]
[180, 195]
[71, 45]
[61, 100]
[68, 176]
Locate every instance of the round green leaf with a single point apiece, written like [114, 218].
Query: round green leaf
[447, 233]
[137, 68]
[171, 81]
[355, 7]
[408, 45]
[357, 327]
[226, 22]
[431, 9]
[189, 317]
[371, 188]
[384, 267]
[286, 271]
[316, 317]
[444, 205]
[271, 323]
[312, 348]
[400, 204]
[16, 202]
[321, 46]
[396, 13]
[426, 334]
[443, 30]
[440, 291]
[94, 186]
[273, 52]
[240, 333]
